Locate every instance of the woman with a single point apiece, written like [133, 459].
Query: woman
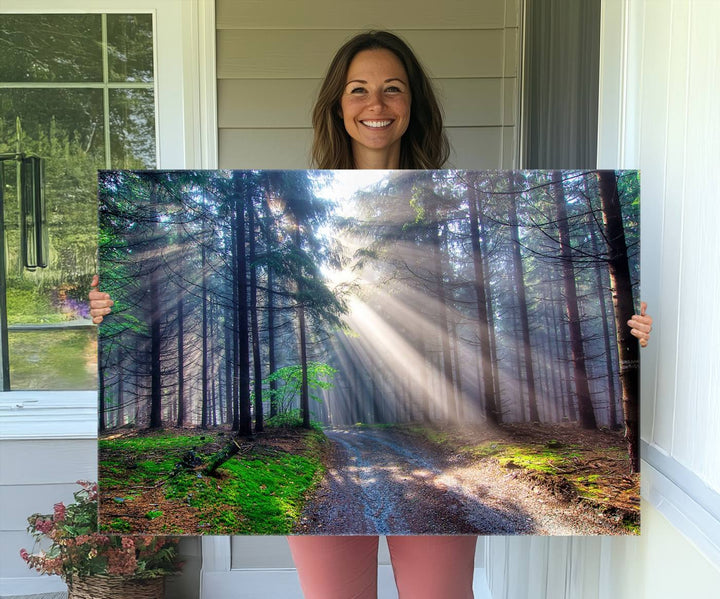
[377, 110]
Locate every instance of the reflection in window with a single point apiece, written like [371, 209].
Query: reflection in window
[78, 91]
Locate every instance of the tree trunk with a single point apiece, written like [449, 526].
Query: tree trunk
[491, 409]
[495, 370]
[582, 389]
[181, 364]
[447, 380]
[155, 347]
[600, 290]
[623, 304]
[257, 366]
[228, 367]
[204, 366]
[304, 391]
[272, 363]
[101, 397]
[519, 278]
[242, 332]
[302, 341]
[564, 358]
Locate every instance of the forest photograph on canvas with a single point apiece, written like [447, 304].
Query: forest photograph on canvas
[369, 352]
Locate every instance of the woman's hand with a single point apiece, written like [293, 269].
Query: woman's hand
[641, 325]
[100, 303]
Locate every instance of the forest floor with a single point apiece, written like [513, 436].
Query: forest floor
[378, 479]
[154, 482]
[516, 479]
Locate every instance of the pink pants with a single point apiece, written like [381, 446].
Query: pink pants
[425, 567]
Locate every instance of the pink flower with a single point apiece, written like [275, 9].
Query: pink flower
[127, 543]
[59, 512]
[44, 526]
[121, 561]
[24, 554]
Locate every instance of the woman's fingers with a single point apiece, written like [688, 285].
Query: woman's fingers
[100, 302]
[641, 325]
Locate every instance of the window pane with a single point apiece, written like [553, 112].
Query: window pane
[132, 128]
[66, 127]
[130, 43]
[53, 359]
[54, 122]
[50, 48]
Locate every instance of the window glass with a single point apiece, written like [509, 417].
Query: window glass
[130, 43]
[77, 91]
[39, 48]
[132, 128]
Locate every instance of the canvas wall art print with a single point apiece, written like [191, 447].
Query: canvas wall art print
[369, 352]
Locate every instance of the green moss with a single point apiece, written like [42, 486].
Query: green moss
[587, 486]
[483, 450]
[631, 525]
[431, 434]
[523, 457]
[251, 494]
[117, 525]
[160, 442]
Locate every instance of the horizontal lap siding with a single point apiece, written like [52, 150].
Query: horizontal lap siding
[271, 60]
[34, 475]
[403, 14]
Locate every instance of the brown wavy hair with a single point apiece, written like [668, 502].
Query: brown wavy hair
[423, 146]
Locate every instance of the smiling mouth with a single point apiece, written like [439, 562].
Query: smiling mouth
[376, 124]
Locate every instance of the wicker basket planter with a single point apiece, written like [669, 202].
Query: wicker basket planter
[116, 587]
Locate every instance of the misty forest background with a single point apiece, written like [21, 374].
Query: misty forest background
[247, 297]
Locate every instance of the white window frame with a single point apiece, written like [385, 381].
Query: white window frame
[186, 132]
[186, 137]
[185, 88]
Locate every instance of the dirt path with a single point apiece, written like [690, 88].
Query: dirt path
[383, 481]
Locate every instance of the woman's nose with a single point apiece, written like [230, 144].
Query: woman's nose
[375, 99]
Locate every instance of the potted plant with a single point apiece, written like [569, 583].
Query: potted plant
[96, 565]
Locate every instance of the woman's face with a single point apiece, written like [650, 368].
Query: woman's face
[375, 108]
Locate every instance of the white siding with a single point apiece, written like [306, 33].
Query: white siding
[271, 59]
[39, 466]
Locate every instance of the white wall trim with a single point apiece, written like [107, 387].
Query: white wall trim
[216, 554]
[48, 415]
[619, 87]
[200, 84]
[684, 499]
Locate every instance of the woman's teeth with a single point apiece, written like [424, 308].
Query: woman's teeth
[376, 124]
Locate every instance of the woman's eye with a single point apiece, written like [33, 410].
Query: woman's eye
[357, 90]
[393, 89]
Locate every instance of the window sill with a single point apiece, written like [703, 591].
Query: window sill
[48, 415]
[683, 498]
